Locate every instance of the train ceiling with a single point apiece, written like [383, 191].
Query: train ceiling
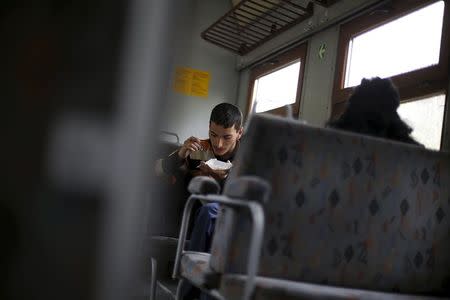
[251, 23]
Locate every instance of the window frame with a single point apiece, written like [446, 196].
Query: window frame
[414, 84]
[276, 63]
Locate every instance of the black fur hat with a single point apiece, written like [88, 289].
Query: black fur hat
[375, 94]
[372, 110]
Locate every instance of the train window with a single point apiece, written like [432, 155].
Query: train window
[277, 83]
[380, 52]
[407, 41]
[276, 89]
[426, 116]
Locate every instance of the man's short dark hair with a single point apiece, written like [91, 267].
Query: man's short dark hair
[226, 115]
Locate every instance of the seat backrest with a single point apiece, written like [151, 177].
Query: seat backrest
[170, 192]
[346, 209]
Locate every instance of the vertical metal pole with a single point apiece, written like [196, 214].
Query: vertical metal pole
[142, 88]
[154, 271]
[446, 128]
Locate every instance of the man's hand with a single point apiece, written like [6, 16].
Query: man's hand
[216, 174]
[190, 145]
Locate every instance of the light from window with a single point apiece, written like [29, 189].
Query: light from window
[409, 43]
[426, 117]
[276, 89]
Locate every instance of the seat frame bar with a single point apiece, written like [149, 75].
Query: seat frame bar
[257, 219]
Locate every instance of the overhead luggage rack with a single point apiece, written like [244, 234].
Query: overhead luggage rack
[324, 3]
[253, 22]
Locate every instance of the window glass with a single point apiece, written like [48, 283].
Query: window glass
[426, 117]
[276, 89]
[408, 43]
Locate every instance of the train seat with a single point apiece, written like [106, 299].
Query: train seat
[163, 224]
[348, 215]
[245, 193]
[266, 288]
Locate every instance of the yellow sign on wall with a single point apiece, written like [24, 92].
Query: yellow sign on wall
[191, 82]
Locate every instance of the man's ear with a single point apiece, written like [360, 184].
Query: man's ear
[240, 131]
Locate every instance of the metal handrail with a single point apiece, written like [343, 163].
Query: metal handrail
[154, 268]
[172, 134]
[257, 215]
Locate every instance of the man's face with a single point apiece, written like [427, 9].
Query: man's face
[223, 139]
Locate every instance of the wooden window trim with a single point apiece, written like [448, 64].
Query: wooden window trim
[274, 64]
[414, 84]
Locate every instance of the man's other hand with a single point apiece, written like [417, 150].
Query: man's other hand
[190, 145]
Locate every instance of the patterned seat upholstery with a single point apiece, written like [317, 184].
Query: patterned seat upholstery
[275, 289]
[195, 266]
[346, 210]
[242, 188]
